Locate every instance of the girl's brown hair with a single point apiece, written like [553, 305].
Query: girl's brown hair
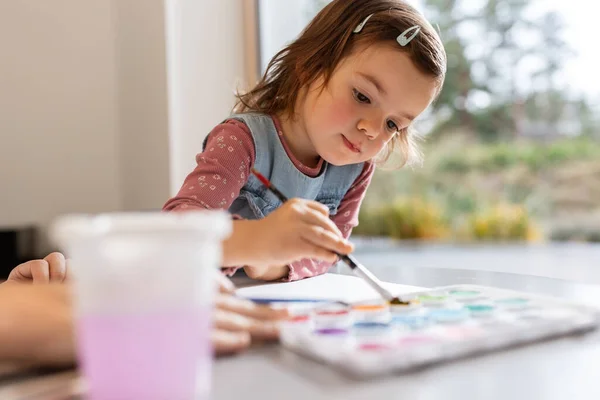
[328, 39]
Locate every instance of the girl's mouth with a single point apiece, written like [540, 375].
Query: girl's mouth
[354, 148]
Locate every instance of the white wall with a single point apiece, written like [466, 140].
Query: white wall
[84, 124]
[143, 108]
[204, 36]
[58, 118]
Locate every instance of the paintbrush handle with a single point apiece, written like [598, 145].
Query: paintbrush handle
[358, 268]
[367, 275]
[277, 193]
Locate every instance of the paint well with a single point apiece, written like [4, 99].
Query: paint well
[480, 310]
[331, 332]
[412, 321]
[449, 315]
[416, 340]
[374, 347]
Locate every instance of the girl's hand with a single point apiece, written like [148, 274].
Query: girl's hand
[238, 322]
[224, 283]
[301, 229]
[298, 229]
[53, 268]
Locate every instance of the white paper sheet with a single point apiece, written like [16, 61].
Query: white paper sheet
[323, 287]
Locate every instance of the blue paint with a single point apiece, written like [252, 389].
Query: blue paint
[371, 325]
[412, 321]
[269, 301]
[449, 315]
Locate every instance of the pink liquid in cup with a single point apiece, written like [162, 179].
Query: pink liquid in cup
[159, 356]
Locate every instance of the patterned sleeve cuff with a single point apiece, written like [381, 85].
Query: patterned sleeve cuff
[229, 271]
[306, 268]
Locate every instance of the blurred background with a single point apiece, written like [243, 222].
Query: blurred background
[512, 145]
[104, 104]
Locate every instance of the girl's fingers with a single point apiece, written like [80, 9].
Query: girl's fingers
[53, 268]
[225, 285]
[67, 270]
[325, 239]
[38, 270]
[57, 266]
[228, 342]
[249, 309]
[317, 251]
[320, 208]
[314, 218]
[230, 321]
[234, 322]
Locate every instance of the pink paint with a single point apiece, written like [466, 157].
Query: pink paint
[459, 333]
[415, 340]
[299, 318]
[332, 312]
[155, 356]
[374, 347]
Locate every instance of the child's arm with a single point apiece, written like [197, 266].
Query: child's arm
[222, 170]
[36, 327]
[300, 228]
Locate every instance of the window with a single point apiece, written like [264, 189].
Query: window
[281, 22]
[515, 133]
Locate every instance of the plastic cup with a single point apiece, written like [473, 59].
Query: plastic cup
[143, 286]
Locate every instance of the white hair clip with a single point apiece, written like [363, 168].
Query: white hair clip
[401, 39]
[362, 24]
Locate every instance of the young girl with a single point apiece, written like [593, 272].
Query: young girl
[332, 104]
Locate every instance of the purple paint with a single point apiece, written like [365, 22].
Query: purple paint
[331, 331]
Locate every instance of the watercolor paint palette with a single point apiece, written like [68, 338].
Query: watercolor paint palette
[433, 326]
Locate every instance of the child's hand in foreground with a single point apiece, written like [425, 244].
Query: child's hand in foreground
[53, 268]
[238, 322]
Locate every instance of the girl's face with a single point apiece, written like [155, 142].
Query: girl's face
[372, 94]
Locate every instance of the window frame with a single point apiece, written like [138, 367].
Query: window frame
[251, 41]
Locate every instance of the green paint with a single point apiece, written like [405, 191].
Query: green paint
[480, 308]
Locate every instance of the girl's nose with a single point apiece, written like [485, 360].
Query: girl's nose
[368, 129]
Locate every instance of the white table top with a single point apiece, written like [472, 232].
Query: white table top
[561, 369]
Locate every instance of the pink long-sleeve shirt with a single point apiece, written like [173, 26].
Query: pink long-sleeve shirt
[224, 167]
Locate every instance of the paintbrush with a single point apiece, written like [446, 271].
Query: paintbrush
[356, 267]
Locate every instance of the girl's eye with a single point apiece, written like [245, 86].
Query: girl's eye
[361, 98]
[391, 125]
